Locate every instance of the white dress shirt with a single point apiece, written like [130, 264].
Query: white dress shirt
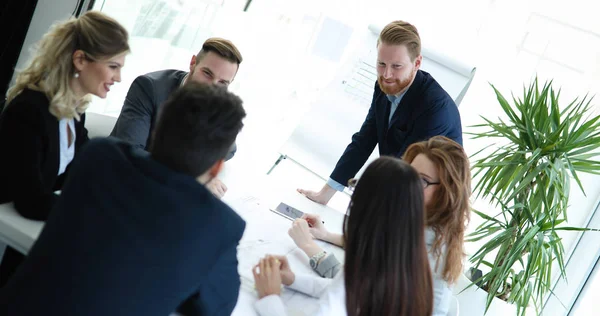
[332, 302]
[442, 292]
[331, 294]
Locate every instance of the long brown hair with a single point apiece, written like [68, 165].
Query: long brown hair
[386, 270]
[449, 212]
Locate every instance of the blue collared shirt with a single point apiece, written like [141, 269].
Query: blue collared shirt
[395, 101]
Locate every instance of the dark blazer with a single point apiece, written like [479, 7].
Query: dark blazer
[29, 162]
[426, 110]
[129, 236]
[142, 104]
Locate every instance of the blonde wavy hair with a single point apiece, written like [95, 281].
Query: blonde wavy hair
[51, 68]
[450, 210]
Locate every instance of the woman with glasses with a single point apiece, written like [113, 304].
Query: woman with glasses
[379, 277]
[445, 176]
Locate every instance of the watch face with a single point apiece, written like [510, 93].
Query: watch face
[313, 263]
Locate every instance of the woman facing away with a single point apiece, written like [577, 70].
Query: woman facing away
[42, 124]
[386, 271]
[445, 175]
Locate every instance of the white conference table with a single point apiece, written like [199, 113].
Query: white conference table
[266, 233]
[17, 231]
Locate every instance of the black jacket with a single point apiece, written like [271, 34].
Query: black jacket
[142, 105]
[426, 110]
[129, 236]
[30, 158]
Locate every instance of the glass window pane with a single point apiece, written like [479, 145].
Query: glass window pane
[587, 301]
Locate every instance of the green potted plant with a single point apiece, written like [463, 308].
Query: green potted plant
[539, 148]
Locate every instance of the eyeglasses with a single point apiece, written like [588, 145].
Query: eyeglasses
[352, 183]
[427, 183]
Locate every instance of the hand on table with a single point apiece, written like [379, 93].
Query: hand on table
[217, 187]
[267, 276]
[321, 197]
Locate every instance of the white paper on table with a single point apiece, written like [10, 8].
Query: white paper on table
[246, 205]
[267, 233]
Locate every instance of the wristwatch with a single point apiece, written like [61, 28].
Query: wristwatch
[314, 260]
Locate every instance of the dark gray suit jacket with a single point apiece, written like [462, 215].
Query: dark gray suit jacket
[138, 114]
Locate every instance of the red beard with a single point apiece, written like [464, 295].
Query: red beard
[397, 87]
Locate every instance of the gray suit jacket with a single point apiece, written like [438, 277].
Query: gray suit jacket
[142, 104]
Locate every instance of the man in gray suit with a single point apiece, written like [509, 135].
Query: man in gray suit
[217, 63]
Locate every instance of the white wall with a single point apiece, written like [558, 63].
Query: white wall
[46, 13]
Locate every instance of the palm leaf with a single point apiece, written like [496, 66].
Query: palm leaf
[538, 148]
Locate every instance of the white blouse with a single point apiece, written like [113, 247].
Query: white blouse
[442, 291]
[66, 152]
[331, 294]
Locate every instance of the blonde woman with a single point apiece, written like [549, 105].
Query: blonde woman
[42, 124]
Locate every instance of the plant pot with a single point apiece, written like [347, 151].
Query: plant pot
[472, 301]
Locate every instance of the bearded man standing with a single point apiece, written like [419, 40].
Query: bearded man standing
[408, 106]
